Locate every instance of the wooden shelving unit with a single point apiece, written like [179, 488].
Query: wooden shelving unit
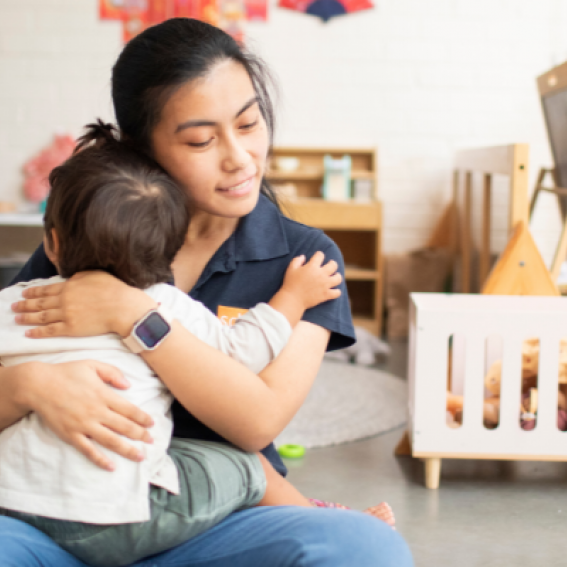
[355, 227]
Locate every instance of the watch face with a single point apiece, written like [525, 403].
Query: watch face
[152, 330]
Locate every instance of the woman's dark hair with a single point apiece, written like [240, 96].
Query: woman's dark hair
[154, 64]
[115, 209]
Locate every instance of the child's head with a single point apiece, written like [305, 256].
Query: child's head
[112, 208]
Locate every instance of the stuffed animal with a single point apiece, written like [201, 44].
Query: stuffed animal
[364, 351]
[529, 396]
[530, 358]
[491, 407]
[528, 417]
[454, 410]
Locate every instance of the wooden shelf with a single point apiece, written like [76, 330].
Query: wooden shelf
[361, 274]
[294, 175]
[328, 215]
[355, 227]
[298, 175]
[21, 219]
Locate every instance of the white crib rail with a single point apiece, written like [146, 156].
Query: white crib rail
[434, 318]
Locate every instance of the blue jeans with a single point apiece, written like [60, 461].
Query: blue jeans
[257, 537]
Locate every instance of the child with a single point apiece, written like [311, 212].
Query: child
[113, 209]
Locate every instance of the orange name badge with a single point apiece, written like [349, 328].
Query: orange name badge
[229, 315]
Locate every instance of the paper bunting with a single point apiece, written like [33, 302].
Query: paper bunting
[326, 9]
[229, 15]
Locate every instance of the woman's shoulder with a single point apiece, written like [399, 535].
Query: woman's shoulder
[267, 233]
[304, 239]
[299, 236]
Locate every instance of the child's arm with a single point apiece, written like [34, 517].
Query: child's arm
[258, 336]
[306, 285]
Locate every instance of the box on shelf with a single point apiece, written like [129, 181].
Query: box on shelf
[424, 270]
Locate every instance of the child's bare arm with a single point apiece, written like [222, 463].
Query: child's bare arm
[306, 285]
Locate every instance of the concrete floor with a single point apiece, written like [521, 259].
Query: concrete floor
[485, 514]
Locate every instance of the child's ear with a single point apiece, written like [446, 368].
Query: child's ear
[51, 251]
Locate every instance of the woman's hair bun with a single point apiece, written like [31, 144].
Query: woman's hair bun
[98, 134]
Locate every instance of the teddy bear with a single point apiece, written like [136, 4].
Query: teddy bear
[491, 406]
[529, 397]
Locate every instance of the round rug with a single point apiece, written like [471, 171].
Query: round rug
[347, 402]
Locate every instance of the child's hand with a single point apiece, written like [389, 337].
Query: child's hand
[313, 282]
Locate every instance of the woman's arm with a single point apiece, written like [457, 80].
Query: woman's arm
[14, 383]
[74, 402]
[229, 398]
[220, 392]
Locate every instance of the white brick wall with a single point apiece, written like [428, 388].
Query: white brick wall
[55, 59]
[415, 78]
[418, 79]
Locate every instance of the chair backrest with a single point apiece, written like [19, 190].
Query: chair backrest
[510, 161]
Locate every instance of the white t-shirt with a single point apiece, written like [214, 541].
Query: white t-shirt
[41, 474]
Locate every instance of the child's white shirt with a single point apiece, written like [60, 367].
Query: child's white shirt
[42, 475]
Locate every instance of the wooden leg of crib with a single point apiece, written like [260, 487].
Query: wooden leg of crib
[432, 473]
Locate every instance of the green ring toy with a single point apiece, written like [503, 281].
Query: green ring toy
[291, 451]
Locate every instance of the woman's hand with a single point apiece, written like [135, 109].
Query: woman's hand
[88, 304]
[74, 401]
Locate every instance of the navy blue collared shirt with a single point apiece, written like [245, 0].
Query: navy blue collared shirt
[248, 269]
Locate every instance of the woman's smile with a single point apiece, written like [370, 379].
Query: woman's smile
[239, 189]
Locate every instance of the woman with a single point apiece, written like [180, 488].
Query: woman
[185, 93]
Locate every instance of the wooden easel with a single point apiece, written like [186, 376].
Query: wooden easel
[552, 87]
[561, 250]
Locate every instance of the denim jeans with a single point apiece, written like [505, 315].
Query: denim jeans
[258, 537]
[215, 479]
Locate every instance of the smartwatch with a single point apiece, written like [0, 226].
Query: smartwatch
[150, 331]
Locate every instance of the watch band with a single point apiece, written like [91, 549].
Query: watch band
[133, 341]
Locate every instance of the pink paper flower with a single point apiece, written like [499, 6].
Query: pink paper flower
[38, 168]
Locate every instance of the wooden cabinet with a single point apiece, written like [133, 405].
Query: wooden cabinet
[355, 227]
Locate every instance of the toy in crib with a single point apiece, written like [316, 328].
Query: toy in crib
[529, 398]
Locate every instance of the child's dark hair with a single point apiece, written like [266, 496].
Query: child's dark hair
[115, 209]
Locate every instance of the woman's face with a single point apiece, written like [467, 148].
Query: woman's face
[213, 140]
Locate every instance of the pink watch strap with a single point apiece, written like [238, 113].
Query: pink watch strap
[132, 343]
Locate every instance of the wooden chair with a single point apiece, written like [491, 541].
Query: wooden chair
[511, 161]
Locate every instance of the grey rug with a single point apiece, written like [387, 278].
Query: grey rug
[347, 402]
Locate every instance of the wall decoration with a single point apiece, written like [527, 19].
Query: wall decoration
[256, 10]
[232, 17]
[38, 168]
[185, 9]
[229, 15]
[326, 9]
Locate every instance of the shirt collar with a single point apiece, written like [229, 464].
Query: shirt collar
[260, 235]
